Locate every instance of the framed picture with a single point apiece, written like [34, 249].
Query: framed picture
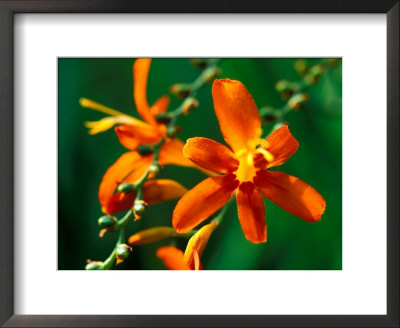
[208, 164]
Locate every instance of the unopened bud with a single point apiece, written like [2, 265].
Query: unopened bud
[300, 66]
[126, 187]
[122, 252]
[269, 114]
[154, 169]
[210, 74]
[200, 63]
[94, 265]
[314, 74]
[173, 130]
[151, 235]
[332, 61]
[145, 150]
[286, 88]
[189, 105]
[181, 90]
[297, 100]
[106, 221]
[139, 208]
[163, 118]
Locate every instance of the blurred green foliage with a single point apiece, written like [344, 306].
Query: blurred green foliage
[293, 244]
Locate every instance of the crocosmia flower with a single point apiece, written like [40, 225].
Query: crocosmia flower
[243, 166]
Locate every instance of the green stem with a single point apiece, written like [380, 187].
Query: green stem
[222, 213]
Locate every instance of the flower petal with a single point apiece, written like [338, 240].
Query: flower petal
[141, 69]
[108, 122]
[131, 136]
[173, 258]
[202, 201]
[237, 114]
[129, 168]
[160, 106]
[197, 243]
[119, 202]
[281, 144]
[151, 235]
[171, 152]
[210, 155]
[159, 190]
[292, 194]
[251, 212]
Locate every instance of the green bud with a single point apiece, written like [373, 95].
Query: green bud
[181, 90]
[300, 66]
[163, 118]
[173, 130]
[200, 63]
[123, 251]
[126, 187]
[269, 114]
[106, 221]
[282, 85]
[155, 168]
[297, 100]
[94, 265]
[210, 74]
[145, 150]
[139, 208]
[189, 105]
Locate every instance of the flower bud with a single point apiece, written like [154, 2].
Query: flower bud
[269, 114]
[145, 150]
[106, 221]
[181, 90]
[332, 62]
[139, 208]
[122, 252]
[200, 63]
[189, 105]
[173, 130]
[300, 66]
[154, 169]
[163, 118]
[314, 74]
[286, 88]
[210, 74]
[94, 265]
[297, 100]
[126, 187]
[151, 235]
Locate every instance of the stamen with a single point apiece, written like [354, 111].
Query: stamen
[99, 107]
[268, 156]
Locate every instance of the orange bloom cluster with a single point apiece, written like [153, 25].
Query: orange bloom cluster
[131, 167]
[243, 166]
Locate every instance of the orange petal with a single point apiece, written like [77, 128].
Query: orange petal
[171, 152]
[173, 258]
[281, 144]
[210, 155]
[292, 194]
[202, 201]
[251, 212]
[160, 106]
[237, 114]
[119, 202]
[198, 243]
[129, 168]
[141, 69]
[151, 235]
[197, 264]
[155, 191]
[131, 136]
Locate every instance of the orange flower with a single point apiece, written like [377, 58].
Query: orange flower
[175, 259]
[243, 166]
[132, 166]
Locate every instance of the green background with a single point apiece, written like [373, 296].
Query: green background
[293, 244]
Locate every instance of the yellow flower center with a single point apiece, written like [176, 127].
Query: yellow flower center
[246, 170]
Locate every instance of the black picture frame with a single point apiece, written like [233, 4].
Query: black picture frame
[7, 11]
